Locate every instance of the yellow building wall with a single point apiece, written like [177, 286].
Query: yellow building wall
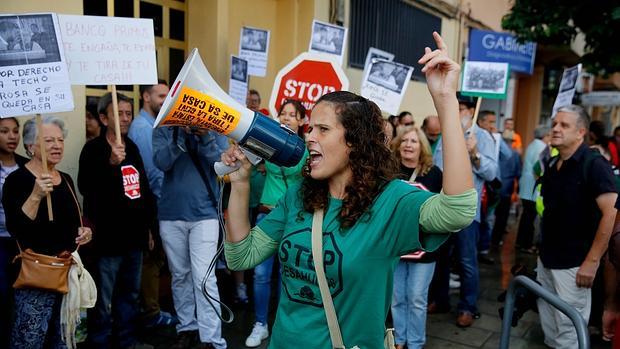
[74, 120]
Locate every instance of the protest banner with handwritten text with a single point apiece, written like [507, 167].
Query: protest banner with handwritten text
[109, 50]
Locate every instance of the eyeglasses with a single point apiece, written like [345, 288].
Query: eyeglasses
[410, 124]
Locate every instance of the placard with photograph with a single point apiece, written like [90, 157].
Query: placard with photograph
[385, 83]
[254, 47]
[375, 53]
[567, 88]
[109, 50]
[485, 79]
[33, 71]
[238, 86]
[328, 39]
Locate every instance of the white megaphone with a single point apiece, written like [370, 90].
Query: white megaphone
[196, 100]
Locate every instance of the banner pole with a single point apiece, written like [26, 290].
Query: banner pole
[39, 121]
[117, 124]
[478, 102]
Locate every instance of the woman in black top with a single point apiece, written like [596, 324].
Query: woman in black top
[414, 272]
[37, 312]
[9, 162]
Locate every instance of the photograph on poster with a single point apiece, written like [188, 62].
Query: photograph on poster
[389, 75]
[569, 79]
[239, 70]
[28, 39]
[327, 38]
[254, 39]
[485, 77]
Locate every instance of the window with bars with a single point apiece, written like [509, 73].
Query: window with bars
[393, 26]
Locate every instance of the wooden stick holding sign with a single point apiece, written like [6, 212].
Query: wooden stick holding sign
[117, 124]
[478, 103]
[50, 212]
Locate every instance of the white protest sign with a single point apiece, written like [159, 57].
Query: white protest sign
[385, 83]
[238, 87]
[253, 47]
[109, 50]
[567, 88]
[33, 70]
[328, 39]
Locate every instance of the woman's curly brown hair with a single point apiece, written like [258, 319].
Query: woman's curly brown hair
[370, 159]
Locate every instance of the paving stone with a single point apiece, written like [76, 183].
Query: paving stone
[494, 324]
[514, 343]
[437, 343]
[449, 331]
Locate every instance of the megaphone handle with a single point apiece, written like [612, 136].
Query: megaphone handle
[222, 170]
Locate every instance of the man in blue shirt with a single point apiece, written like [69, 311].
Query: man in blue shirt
[141, 130]
[188, 222]
[141, 133]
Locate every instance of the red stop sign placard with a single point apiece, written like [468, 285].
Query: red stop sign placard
[306, 78]
[131, 181]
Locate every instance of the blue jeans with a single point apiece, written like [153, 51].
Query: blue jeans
[37, 320]
[409, 301]
[465, 247]
[484, 234]
[118, 287]
[262, 285]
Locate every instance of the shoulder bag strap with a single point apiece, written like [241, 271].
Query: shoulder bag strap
[328, 304]
[414, 175]
[77, 204]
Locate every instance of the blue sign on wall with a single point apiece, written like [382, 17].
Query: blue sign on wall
[490, 46]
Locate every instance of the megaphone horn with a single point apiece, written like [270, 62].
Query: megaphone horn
[196, 100]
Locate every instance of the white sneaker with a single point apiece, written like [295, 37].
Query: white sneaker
[259, 333]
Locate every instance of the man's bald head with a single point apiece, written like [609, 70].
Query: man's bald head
[431, 128]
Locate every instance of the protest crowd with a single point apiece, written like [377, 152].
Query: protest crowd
[410, 212]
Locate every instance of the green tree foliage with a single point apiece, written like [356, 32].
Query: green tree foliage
[557, 22]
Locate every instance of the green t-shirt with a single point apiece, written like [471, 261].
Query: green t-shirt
[359, 264]
[279, 179]
[257, 183]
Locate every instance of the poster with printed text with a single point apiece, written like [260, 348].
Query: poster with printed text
[109, 50]
[33, 70]
[329, 39]
[385, 84]
[254, 47]
[238, 86]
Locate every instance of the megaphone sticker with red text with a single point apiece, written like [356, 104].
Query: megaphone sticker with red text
[196, 109]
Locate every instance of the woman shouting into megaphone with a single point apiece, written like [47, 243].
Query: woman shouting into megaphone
[364, 217]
